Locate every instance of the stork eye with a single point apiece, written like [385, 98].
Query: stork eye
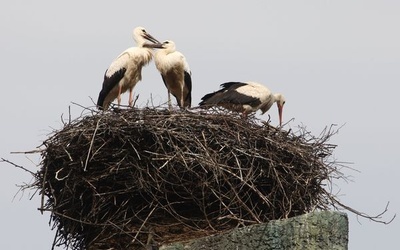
[166, 42]
[144, 31]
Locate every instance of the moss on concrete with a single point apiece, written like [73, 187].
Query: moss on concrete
[316, 230]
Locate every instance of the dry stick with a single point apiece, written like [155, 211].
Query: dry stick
[73, 219]
[83, 107]
[244, 204]
[375, 218]
[17, 166]
[251, 187]
[43, 188]
[91, 144]
[203, 202]
[54, 240]
[69, 156]
[144, 222]
[35, 151]
[119, 228]
[223, 204]
[134, 102]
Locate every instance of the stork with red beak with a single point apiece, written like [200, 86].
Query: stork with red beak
[244, 97]
[126, 70]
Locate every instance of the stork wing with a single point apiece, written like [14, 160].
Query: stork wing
[235, 97]
[164, 80]
[108, 84]
[120, 62]
[242, 93]
[186, 65]
[188, 85]
[232, 93]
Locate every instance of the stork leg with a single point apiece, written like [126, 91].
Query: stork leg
[182, 99]
[130, 97]
[169, 100]
[119, 94]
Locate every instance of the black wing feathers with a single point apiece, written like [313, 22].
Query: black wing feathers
[232, 85]
[188, 83]
[228, 95]
[108, 84]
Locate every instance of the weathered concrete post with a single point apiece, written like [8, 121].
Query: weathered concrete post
[323, 230]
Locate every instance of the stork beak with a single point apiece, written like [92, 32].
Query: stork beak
[150, 38]
[280, 108]
[153, 45]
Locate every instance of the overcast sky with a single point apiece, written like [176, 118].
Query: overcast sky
[336, 62]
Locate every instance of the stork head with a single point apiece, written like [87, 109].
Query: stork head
[141, 37]
[167, 45]
[280, 101]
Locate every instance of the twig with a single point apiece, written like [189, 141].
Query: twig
[91, 144]
[17, 166]
[141, 226]
[35, 151]
[375, 218]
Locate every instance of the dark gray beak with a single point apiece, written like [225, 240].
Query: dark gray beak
[150, 38]
[153, 45]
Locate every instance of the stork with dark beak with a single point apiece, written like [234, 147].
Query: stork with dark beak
[175, 73]
[126, 70]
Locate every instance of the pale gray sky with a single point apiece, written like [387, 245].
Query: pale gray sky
[336, 62]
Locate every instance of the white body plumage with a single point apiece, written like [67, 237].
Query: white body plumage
[175, 73]
[126, 70]
[245, 97]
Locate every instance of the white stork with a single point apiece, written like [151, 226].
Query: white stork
[175, 73]
[245, 97]
[126, 70]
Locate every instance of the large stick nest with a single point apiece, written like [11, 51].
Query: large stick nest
[131, 178]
